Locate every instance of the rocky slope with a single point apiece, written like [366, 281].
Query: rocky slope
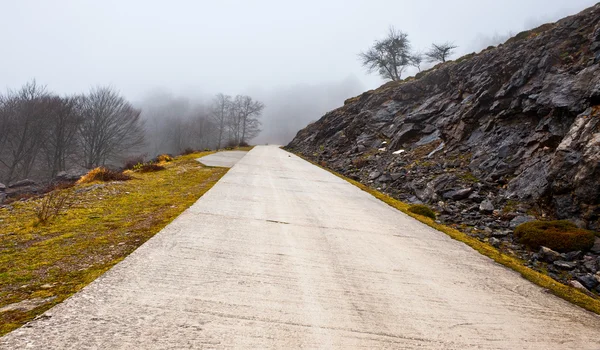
[489, 140]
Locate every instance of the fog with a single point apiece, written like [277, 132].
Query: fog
[299, 59]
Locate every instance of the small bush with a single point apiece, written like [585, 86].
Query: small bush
[421, 209]
[188, 151]
[244, 144]
[148, 168]
[104, 175]
[562, 236]
[53, 203]
[164, 158]
[130, 163]
[231, 144]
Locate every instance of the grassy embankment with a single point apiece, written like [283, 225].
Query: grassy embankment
[43, 264]
[563, 291]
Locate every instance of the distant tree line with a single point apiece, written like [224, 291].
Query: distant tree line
[42, 134]
[391, 56]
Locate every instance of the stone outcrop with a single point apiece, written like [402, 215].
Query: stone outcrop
[512, 130]
[489, 141]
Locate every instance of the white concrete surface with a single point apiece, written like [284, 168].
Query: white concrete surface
[282, 254]
[225, 159]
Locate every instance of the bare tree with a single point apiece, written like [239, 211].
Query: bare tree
[416, 59]
[63, 119]
[250, 111]
[111, 126]
[23, 117]
[390, 56]
[220, 112]
[440, 52]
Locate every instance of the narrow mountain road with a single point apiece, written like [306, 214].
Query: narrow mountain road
[282, 254]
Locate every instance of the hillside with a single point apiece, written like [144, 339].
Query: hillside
[489, 141]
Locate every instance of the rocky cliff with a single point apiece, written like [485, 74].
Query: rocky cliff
[489, 140]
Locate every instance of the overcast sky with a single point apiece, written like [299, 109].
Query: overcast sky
[203, 47]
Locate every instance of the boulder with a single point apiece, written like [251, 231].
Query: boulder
[22, 183]
[374, 175]
[486, 206]
[520, 220]
[70, 175]
[549, 255]
[565, 265]
[495, 242]
[459, 194]
[577, 285]
[596, 248]
[588, 281]
[570, 256]
[590, 263]
[2, 187]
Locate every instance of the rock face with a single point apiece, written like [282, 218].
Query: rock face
[511, 132]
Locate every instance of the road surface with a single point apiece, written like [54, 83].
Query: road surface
[282, 254]
[223, 159]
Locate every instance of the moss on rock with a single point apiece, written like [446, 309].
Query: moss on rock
[562, 235]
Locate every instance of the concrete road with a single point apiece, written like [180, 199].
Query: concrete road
[282, 254]
[225, 159]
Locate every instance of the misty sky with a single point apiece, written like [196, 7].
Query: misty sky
[204, 47]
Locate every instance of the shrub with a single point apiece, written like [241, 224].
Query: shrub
[130, 163]
[421, 209]
[188, 151]
[104, 175]
[53, 203]
[231, 144]
[244, 144]
[562, 236]
[164, 158]
[148, 167]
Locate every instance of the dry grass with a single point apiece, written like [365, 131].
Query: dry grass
[165, 158]
[149, 167]
[565, 292]
[102, 174]
[106, 222]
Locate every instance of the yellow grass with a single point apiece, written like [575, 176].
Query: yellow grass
[107, 222]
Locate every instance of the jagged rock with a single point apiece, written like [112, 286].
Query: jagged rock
[501, 234]
[495, 242]
[2, 187]
[549, 255]
[458, 194]
[486, 206]
[22, 183]
[565, 265]
[590, 263]
[70, 175]
[588, 281]
[576, 284]
[596, 248]
[375, 174]
[520, 119]
[520, 220]
[570, 256]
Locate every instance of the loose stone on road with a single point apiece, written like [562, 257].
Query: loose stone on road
[282, 254]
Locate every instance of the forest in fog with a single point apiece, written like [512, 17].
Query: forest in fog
[42, 133]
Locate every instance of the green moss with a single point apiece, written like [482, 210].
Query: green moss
[469, 177]
[421, 209]
[562, 236]
[106, 223]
